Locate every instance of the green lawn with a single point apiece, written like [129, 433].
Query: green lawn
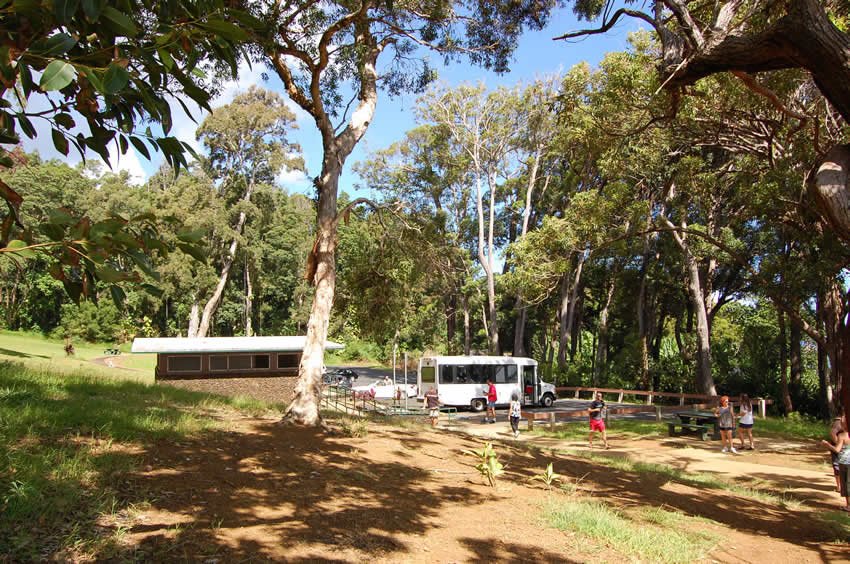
[63, 450]
[39, 352]
[795, 427]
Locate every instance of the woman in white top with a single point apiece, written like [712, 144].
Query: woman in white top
[745, 421]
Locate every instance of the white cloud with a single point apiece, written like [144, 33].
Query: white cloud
[295, 181]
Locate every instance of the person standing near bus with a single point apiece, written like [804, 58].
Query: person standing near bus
[491, 402]
[597, 421]
[514, 412]
[432, 403]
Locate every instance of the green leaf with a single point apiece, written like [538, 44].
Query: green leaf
[26, 126]
[61, 216]
[118, 296]
[109, 274]
[65, 120]
[166, 58]
[20, 248]
[59, 141]
[58, 44]
[140, 147]
[94, 80]
[115, 79]
[120, 21]
[194, 251]
[57, 76]
[225, 29]
[74, 289]
[52, 231]
[92, 9]
[191, 235]
[153, 290]
[64, 9]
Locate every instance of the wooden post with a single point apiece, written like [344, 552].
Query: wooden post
[649, 398]
[657, 412]
[576, 395]
[682, 399]
[620, 398]
[530, 420]
[763, 408]
[551, 420]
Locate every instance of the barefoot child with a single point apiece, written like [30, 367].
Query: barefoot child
[841, 448]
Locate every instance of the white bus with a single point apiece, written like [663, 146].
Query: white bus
[461, 381]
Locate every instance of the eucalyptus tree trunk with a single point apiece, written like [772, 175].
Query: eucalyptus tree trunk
[485, 257]
[467, 329]
[602, 341]
[194, 318]
[249, 301]
[567, 311]
[704, 377]
[215, 300]
[520, 307]
[782, 341]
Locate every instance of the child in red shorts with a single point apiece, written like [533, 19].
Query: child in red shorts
[597, 421]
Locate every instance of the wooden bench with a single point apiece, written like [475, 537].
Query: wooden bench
[702, 430]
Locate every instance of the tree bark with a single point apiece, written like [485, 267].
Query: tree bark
[782, 342]
[215, 300]
[321, 266]
[521, 310]
[567, 311]
[194, 318]
[602, 342]
[485, 257]
[249, 301]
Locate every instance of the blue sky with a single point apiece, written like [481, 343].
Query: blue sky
[537, 55]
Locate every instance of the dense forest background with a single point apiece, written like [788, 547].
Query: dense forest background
[577, 220]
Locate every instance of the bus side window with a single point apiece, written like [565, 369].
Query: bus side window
[511, 377]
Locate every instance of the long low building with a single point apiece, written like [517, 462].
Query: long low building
[225, 357]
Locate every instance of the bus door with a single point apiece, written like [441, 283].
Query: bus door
[531, 391]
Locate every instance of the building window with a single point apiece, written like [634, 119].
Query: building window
[261, 361]
[218, 363]
[239, 362]
[288, 360]
[184, 363]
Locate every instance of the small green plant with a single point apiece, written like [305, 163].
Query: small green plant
[488, 465]
[355, 428]
[548, 477]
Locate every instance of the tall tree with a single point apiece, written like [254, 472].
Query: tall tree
[248, 146]
[698, 40]
[317, 49]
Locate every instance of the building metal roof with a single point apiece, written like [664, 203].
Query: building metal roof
[177, 345]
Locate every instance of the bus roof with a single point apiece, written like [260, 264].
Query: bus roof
[520, 360]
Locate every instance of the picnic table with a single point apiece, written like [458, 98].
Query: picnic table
[698, 421]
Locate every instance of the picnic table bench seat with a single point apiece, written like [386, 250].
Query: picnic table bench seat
[702, 430]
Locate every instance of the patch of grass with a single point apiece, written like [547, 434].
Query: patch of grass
[626, 428]
[65, 441]
[694, 479]
[794, 427]
[839, 524]
[354, 427]
[647, 534]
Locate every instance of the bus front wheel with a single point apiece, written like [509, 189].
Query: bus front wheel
[547, 400]
[478, 404]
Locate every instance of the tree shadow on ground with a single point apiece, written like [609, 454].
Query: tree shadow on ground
[19, 354]
[243, 494]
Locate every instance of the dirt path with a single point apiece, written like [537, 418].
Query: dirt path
[260, 491]
[798, 469]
